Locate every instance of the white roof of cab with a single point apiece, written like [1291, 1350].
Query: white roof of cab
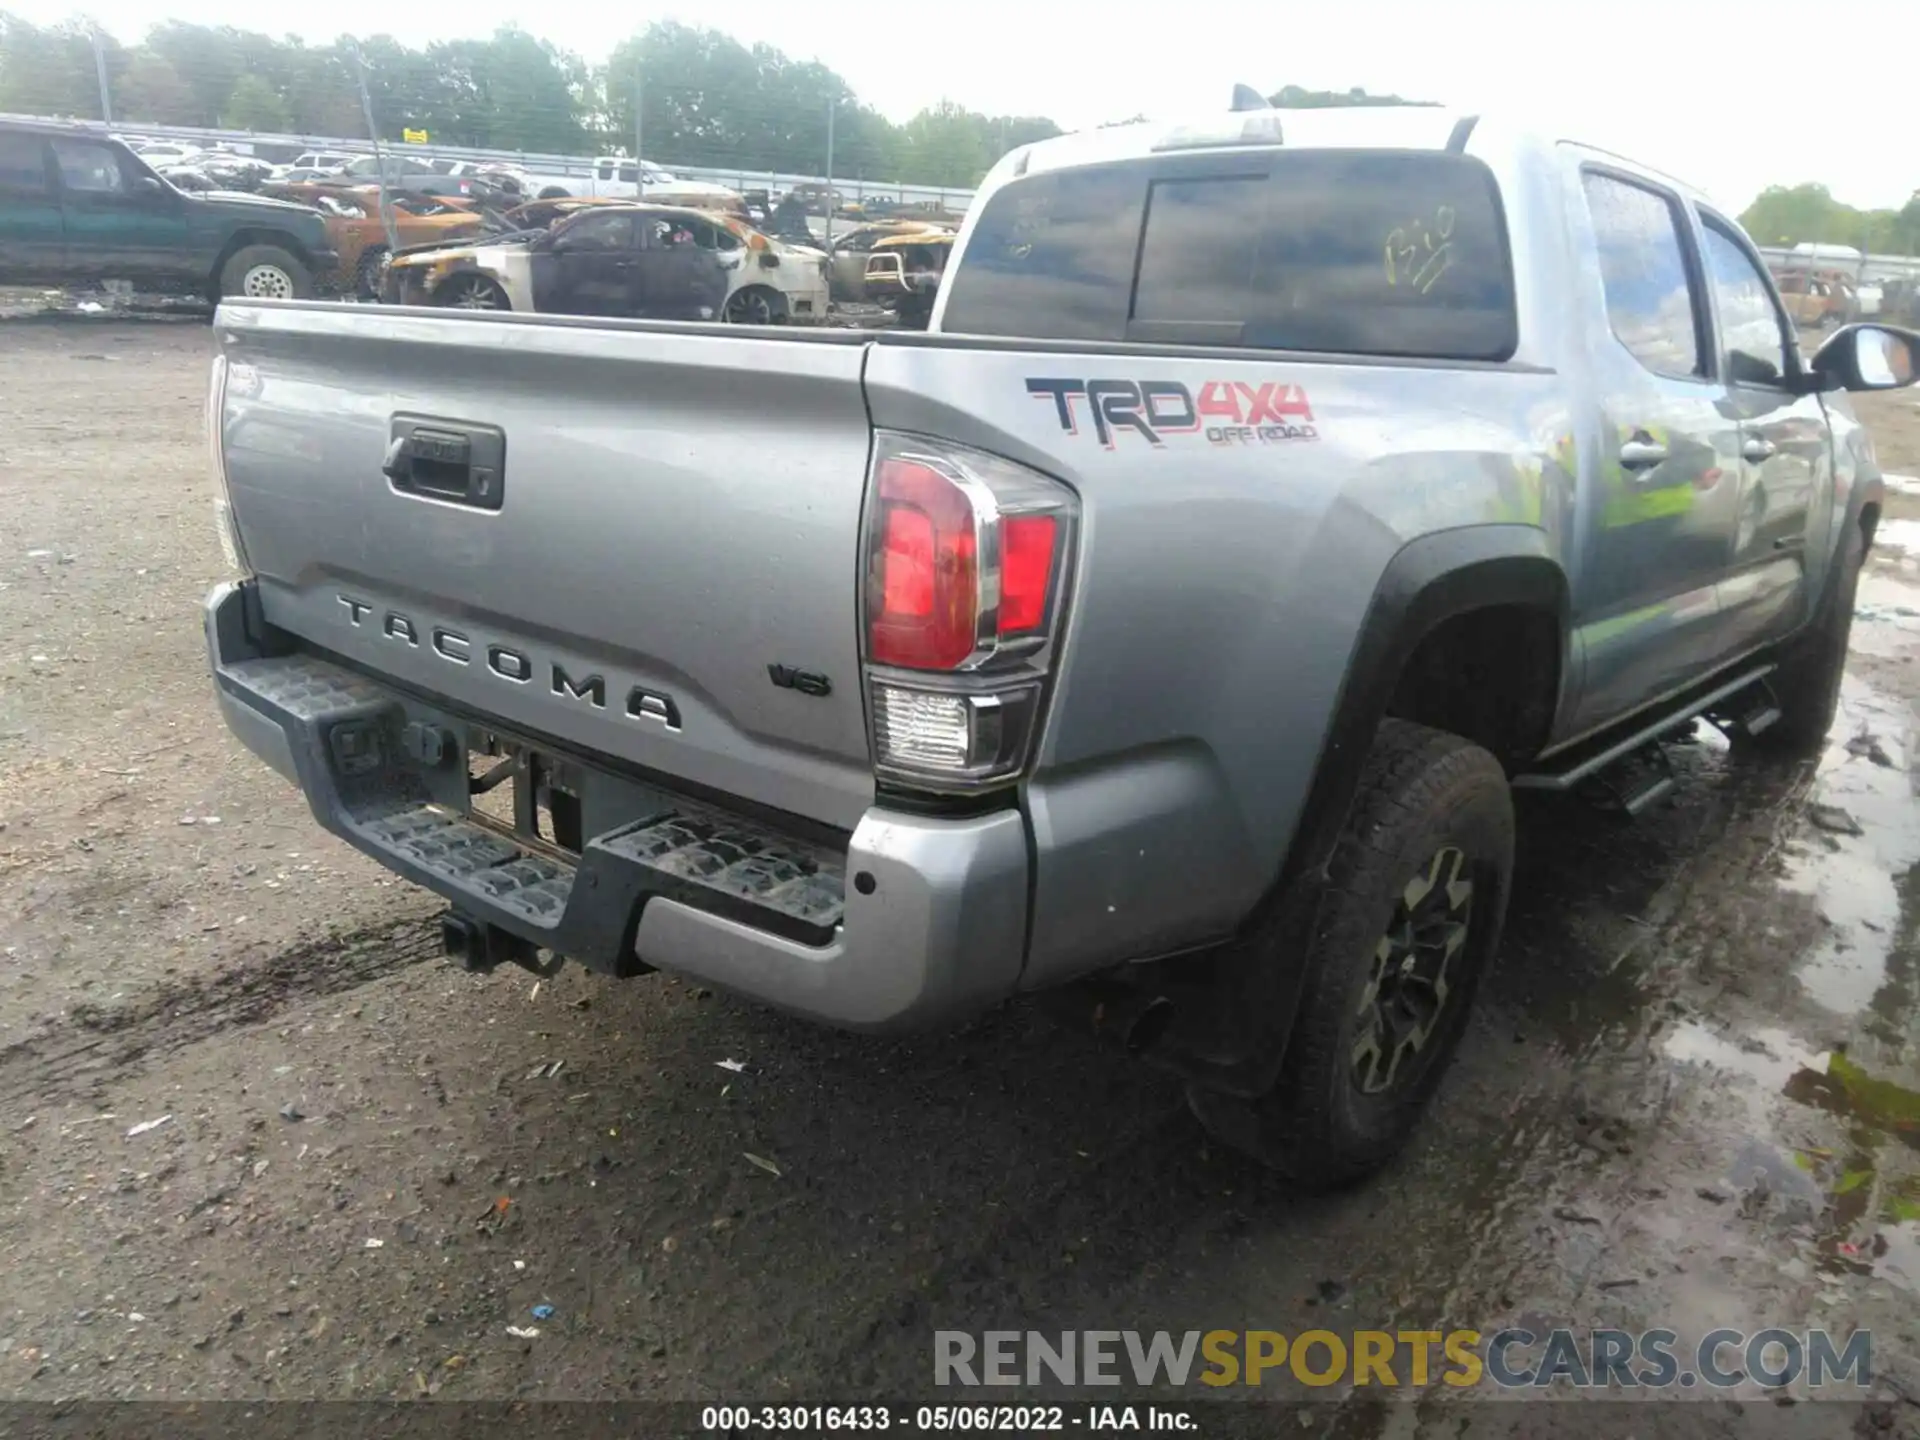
[1353, 127]
[1358, 127]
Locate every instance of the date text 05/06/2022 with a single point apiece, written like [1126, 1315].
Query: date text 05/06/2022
[927, 1419]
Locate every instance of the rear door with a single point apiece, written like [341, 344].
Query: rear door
[1660, 521]
[591, 267]
[1786, 464]
[30, 233]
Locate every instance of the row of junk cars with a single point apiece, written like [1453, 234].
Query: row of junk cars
[625, 239]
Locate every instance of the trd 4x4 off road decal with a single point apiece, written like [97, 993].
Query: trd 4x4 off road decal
[1227, 412]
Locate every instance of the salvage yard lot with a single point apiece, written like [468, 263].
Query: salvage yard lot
[371, 1164]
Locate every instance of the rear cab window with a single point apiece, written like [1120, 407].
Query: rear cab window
[1367, 252]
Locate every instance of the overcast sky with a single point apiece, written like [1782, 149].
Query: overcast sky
[1729, 96]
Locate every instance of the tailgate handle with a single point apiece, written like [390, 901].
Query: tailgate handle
[447, 460]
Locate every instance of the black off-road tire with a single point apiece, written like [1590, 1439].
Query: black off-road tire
[240, 276]
[1422, 795]
[1807, 684]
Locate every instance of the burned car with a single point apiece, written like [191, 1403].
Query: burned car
[359, 233]
[1817, 299]
[847, 262]
[650, 262]
[903, 273]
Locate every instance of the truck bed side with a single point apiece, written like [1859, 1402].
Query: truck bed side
[1225, 580]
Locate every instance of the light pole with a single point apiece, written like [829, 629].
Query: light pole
[639, 155]
[100, 73]
[832, 105]
[379, 155]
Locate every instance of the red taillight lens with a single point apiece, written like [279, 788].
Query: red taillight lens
[928, 583]
[965, 556]
[1026, 571]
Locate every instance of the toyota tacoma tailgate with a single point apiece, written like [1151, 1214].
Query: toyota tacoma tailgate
[643, 543]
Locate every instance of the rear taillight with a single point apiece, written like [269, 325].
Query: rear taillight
[230, 550]
[967, 556]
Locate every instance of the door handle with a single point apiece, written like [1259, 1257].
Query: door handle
[1757, 449]
[1642, 454]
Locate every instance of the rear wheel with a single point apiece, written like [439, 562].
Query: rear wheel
[265, 272]
[471, 292]
[755, 305]
[1416, 895]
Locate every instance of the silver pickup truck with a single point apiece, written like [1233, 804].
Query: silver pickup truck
[1167, 627]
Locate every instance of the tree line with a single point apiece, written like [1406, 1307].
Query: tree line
[704, 99]
[1790, 214]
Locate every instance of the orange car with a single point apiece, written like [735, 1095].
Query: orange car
[1819, 299]
[360, 236]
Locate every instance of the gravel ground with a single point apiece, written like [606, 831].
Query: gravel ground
[364, 1169]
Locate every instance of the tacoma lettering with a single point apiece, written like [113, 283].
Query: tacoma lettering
[517, 667]
[593, 689]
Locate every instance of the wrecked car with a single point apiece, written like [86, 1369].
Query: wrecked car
[362, 241]
[903, 273]
[847, 261]
[359, 234]
[607, 258]
[1817, 299]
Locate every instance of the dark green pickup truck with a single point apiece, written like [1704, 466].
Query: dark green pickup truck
[78, 208]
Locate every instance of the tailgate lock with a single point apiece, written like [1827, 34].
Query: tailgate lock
[456, 462]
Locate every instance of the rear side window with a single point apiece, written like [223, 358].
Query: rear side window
[1391, 253]
[1651, 303]
[22, 163]
[88, 168]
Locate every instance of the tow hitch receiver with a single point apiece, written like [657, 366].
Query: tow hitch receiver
[478, 947]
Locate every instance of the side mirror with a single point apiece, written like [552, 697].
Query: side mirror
[769, 260]
[149, 185]
[1868, 357]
